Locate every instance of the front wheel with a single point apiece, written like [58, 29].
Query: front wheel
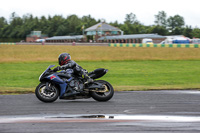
[105, 95]
[46, 94]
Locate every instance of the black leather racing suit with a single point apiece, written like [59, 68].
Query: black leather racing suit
[78, 70]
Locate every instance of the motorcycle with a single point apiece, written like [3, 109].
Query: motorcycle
[66, 85]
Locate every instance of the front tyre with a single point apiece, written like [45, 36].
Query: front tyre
[104, 96]
[46, 94]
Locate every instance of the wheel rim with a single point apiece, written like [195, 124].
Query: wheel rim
[106, 92]
[48, 94]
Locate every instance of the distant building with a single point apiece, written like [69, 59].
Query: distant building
[93, 33]
[35, 35]
[66, 39]
[103, 32]
[101, 29]
[134, 38]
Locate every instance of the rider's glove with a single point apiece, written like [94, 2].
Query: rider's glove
[56, 69]
[89, 81]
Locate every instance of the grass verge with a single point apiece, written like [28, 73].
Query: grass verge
[123, 75]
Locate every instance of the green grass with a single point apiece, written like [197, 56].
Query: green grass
[123, 75]
[50, 53]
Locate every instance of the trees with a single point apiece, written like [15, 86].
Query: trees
[174, 24]
[3, 25]
[56, 26]
[3, 22]
[88, 21]
[188, 32]
[161, 30]
[131, 19]
[196, 32]
[73, 24]
[161, 19]
[131, 24]
[18, 27]
[176, 21]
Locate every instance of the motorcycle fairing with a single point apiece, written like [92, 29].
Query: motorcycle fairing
[55, 79]
[62, 89]
[98, 73]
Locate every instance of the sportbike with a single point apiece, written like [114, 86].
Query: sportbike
[66, 85]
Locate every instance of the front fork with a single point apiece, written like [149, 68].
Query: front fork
[48, 87]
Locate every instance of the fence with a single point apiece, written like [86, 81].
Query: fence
[154, 45]
[7, 43]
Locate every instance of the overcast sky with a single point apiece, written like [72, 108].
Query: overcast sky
[110, 10]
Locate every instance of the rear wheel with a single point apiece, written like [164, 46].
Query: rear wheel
[46, 95]
[104, 95]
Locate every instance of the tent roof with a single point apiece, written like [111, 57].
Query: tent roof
[102, 27]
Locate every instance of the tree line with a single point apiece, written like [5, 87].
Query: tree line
[16, 28]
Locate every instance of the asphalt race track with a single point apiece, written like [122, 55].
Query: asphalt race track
[138, 112]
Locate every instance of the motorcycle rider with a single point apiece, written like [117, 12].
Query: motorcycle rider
[65, 62]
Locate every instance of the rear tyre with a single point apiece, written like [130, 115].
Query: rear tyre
[103, 96]
[45, 95]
